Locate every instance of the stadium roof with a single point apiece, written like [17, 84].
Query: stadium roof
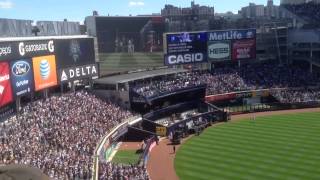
[123, 78]
[6, 39]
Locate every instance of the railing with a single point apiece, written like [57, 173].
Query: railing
[103, 142]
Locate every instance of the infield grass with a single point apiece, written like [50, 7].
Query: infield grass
[271, 147]
[126, 157]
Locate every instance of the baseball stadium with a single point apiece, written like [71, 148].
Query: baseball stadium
[186, 94]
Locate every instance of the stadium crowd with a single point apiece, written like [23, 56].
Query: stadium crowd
[309, 10]
[297, 96]
[109, 171]
[233, 79]
[58, 135]
[168, 84]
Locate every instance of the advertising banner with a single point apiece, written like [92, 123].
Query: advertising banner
[232, 35]
[23, 49]
[186, 48]
[219, 50]
[221, 97]
[161, 131]
[187, 58]
[45, 73]
[6, 50]
[74, 52]
[77, 73]
[244, 49]
[5, 86]
[21, 77]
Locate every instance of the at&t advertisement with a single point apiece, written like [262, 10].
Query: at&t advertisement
[45, 72]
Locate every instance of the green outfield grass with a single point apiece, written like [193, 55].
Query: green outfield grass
[121, 62]
[126, 157]
[272, 147]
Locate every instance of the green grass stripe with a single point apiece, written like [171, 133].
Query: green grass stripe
[271, 147]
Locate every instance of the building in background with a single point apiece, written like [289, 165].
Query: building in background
[15, 28]
[193, 18]
[58, 28]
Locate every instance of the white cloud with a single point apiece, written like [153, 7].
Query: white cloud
[136, 3]
[6, 4]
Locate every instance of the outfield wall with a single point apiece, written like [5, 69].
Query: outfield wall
[108, 140]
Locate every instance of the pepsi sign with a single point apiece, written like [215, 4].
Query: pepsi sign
[21, 77]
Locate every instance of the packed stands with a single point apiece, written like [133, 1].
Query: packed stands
[109, 171]
[309, 11]
[233, 79]
[297, 96]
[58, 135]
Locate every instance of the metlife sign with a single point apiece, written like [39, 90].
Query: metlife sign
[231, 35]
[77, 73]
[231, 44]
[21, 77]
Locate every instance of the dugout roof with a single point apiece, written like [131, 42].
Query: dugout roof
[124, 78]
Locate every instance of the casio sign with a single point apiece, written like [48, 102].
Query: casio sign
[185, 58]
[20, 68]
[219, 51]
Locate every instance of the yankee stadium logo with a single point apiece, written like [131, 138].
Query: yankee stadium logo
[75, 50]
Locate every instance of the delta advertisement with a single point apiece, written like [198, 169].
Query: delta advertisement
[232, 44]
[21, 77]
[45, 74]
[5, 86]
[186, 48]
[80, 72]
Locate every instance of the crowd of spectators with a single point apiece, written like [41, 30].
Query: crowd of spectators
[59, 135]
[168, 84]
[111, 171]
[233, 79]
[308, 10]
[297, 96]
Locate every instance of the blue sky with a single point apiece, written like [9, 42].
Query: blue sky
[77, 10]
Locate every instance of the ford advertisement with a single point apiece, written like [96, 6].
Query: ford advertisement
[21, 77]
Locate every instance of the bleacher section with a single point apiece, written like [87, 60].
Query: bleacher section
[308, 11]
